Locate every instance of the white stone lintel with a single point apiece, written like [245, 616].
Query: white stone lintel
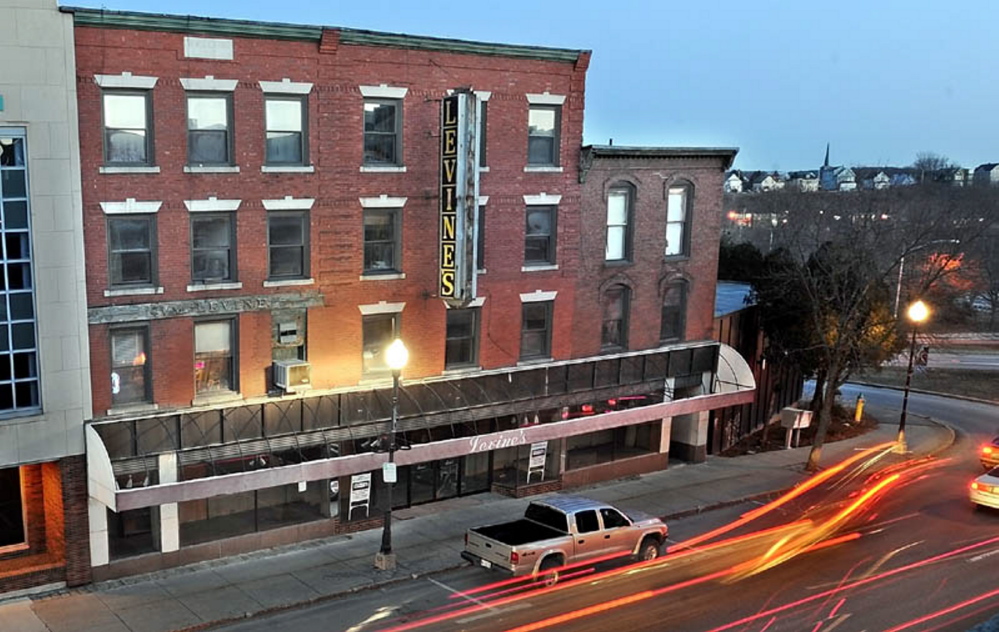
[289, 204]
[383, 201]
[381, 307]
[209, 84]
[383, 91]
[130, 205]
[126, 81]
[212, 204]
[285, 86]
[538, 296]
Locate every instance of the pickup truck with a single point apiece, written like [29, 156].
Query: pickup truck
[563, 530]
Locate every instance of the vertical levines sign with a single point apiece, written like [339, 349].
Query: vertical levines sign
[458, 198]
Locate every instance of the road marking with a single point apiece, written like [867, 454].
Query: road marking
[459, 593]
[513, 608]
[979, 558]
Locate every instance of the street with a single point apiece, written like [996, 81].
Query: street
[918, 537]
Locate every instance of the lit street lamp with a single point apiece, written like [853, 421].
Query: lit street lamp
[396, 356]
[917, 313]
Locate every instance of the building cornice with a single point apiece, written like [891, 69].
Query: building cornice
[83, 16]
[590, 152]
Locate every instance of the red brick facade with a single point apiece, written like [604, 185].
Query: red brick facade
[54, 496]
[335, 135]
[650, 172]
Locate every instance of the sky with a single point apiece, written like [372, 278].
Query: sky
[879, 81]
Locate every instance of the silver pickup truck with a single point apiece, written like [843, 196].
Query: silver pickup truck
[563, 530]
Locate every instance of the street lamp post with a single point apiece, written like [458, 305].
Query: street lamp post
[918, 312]
[396, 357]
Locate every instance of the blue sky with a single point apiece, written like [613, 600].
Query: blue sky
[880, 81]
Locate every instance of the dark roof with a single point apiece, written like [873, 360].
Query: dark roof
[806, 175]
[989, 166]
[621, 151]
[731, 296]
[83, 16]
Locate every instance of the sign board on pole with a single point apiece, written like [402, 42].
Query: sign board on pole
[389, 472]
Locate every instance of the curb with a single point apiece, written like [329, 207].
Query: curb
[967, 398]
[209, 625]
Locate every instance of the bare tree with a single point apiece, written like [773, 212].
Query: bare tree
[841, 256]
[928, 162]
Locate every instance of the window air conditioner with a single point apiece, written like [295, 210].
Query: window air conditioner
[292, 375]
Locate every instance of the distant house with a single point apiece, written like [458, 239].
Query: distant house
[987, 173]
[956, 176]
[901, 177]
[733, 182]
[845, 179]
[763, 181]
[872, 178]
[805, 181]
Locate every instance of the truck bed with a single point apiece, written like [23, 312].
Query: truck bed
[518, 532]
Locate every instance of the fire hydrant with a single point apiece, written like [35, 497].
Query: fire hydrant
[858, 412]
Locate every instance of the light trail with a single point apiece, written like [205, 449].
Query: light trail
[944, 611]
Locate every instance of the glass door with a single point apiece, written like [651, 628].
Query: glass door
[422, 482]
[447, 478]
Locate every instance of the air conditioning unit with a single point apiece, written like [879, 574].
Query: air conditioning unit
[292, 375]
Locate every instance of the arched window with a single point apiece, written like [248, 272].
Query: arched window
[614, 304]
[678, 204]
[674, 312]
[620, 199]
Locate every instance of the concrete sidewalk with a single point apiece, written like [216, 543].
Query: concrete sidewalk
[426, 539]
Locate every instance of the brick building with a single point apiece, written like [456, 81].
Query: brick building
[267, 206]
[44, 364]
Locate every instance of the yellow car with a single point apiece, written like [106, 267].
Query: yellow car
[989, 454]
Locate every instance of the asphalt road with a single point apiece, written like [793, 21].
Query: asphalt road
[920, 558]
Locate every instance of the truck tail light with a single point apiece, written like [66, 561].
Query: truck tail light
[987, 449]
[514, 557]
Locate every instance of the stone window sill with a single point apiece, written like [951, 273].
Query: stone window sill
[135, 291]
[383, 169]
[211, 169]
[288, 169]
[131, 409]
[289, 282]
[207, 287]
[541, 268]
[395, 276]
[124, 169]
[542, 169]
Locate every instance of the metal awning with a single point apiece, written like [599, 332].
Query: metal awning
[445, 409]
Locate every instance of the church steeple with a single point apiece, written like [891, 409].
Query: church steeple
[826, 163]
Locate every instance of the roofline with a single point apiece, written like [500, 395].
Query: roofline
[614, 151]
[83, 16]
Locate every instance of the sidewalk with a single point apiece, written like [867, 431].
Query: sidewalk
[426, 539]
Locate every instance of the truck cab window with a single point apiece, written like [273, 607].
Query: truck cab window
[586, 521]
[613, 519]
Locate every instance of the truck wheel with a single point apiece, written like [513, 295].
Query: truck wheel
[549, 571]
[649, 550]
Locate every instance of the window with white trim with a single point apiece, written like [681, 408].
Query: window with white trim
[286, 130]
[462, 338]
[378, 332]
[130, 379]
[674, 312]
[540, 235]
[543, 135]
[128, 138]
[287, 245]
[209, 129]
[678, 220]
[213, 247]
[619, 213]
[614, 304]
[383, 132]
[536, 330]
[132, 250]
[214, 357]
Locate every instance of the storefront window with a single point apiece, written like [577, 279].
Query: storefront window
[11, 509]
[248, 512]
[526, 464]
[614, 444]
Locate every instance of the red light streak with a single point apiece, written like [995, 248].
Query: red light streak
[944, 611]
[859, 582]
